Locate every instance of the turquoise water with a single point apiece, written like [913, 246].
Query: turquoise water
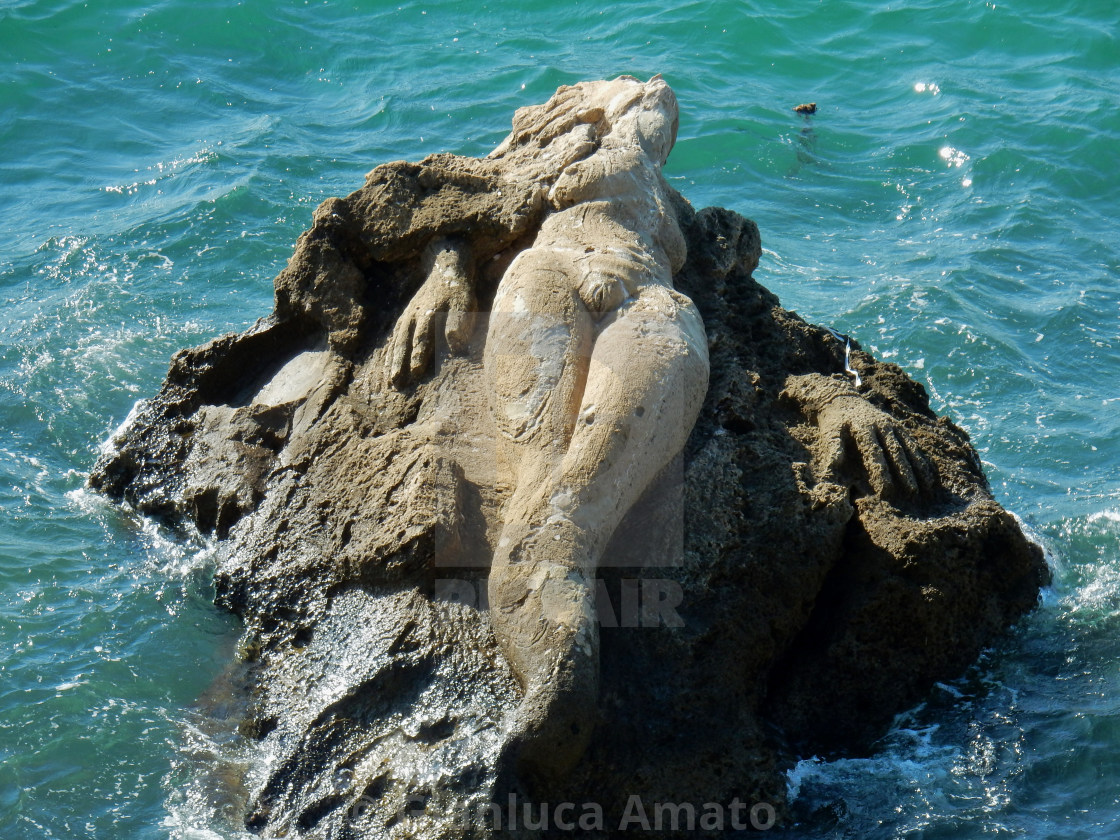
[953, 207]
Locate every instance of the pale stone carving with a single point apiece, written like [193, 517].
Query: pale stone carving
[596, 369]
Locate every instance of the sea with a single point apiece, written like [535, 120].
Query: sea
[952, 204]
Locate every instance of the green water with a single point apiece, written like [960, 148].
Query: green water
[952, 205]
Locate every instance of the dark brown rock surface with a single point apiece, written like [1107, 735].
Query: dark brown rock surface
[819, 592]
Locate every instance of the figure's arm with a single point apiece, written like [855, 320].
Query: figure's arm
[605, 174]
[890, 458]
[448, 290]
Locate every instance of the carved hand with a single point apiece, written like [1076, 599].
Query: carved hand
[447, 291]
[890, 458]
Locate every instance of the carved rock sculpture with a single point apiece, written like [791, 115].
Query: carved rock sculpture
[494, 533]
[595, 368]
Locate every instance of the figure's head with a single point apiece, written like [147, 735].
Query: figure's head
[645, 112]
[623, 111]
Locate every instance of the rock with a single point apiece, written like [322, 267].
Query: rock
[813, 538]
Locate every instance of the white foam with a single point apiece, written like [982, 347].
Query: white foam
[805, 768]
[113, 442]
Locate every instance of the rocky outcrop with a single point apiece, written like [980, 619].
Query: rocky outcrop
[818, 556]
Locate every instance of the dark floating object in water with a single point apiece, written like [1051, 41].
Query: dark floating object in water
[807, 108]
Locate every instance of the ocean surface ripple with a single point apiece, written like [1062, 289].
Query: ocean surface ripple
[951, 206]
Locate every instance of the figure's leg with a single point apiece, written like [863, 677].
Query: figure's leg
[538, 348]
[646, 379]
[645, 386]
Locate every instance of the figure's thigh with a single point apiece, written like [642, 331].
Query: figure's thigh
[646, 381]
[538, 345]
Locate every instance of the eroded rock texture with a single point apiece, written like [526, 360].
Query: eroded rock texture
[814, 560]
